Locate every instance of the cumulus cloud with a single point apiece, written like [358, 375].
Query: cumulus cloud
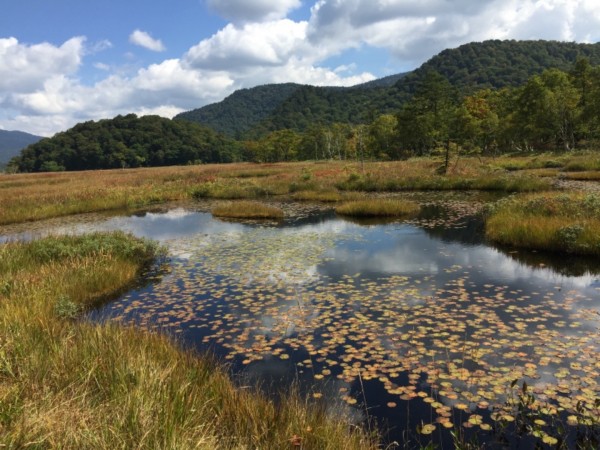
[235, 48]
[414, 31]
[26, 67]
[254, 11]
[143, 39]
[41, 90]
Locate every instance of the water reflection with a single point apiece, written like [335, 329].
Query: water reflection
[422, 320]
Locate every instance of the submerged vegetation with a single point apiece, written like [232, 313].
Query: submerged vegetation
[247, 210]
[559, 222]
[67, 383]
[378, 208]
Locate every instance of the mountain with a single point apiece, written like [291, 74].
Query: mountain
[490, 64]
[498, 64]
[12, 142]
[127, 141]
[242, 110]
[388, 81]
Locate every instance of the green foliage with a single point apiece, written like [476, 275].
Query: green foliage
[242, 110]
[67, 309]
[127, 141]
[253, 113]
[497, 64]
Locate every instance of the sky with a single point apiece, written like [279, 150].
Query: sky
[68, 61]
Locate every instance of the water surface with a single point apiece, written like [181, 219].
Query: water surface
[417, 323]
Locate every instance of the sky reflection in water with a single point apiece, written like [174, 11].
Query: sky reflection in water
[427, 324]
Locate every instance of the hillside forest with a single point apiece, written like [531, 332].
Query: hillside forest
[553, 110]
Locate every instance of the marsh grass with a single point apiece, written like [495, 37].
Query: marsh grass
[68, 383]
[428, 182]
[28, 197]
[329, 196]
[247, 210]
[583, 176]
[378, 208]
[554, 222]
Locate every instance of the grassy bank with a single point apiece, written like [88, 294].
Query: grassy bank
[556, 222]
[378, 208]
[26, 197]
[65, 383]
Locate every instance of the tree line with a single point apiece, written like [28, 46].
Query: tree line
[555, 110]
[127, 141]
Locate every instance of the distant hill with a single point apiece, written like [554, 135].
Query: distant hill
[127, 141]
[489, 64]
[242, 110]
[382, 82]
[12, 142]
[498, 64]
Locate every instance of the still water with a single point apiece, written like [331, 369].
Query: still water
[419, 325]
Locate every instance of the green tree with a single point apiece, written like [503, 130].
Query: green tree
[425, 122]
[382, 132]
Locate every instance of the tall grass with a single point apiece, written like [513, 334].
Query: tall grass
[554, 222]
[67, 383]
[247, 210]
[378, 208]
[26, 197]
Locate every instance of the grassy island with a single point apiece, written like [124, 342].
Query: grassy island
[558, 222]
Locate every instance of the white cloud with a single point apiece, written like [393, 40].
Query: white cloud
[41, 90]
[233, 48]
[143, 39]
[99, 46]
[254, 11]
[101, 66]
[25, 67]
[415, 31]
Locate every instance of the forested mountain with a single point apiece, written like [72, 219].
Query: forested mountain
[242, 110]
[497, 64]
[491, 64]
[466, 100]
[11, 143]
[126, 141]
[388, 81]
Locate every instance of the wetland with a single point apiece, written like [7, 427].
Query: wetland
[418, 324]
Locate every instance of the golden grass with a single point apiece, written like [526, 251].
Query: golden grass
[568, 223]
[247, 210]
[583, 176]
[71, 384]
[318, 196]
[26, 197]
[378, 208]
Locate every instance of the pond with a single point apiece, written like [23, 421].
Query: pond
[419, 325]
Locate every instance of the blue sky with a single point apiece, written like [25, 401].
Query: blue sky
[66, 61]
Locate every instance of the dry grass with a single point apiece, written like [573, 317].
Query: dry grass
[378, 208]
[583, 176]
[318, 196]
[66, 383]
[554, 222]
[247, 210]
[25, 197]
